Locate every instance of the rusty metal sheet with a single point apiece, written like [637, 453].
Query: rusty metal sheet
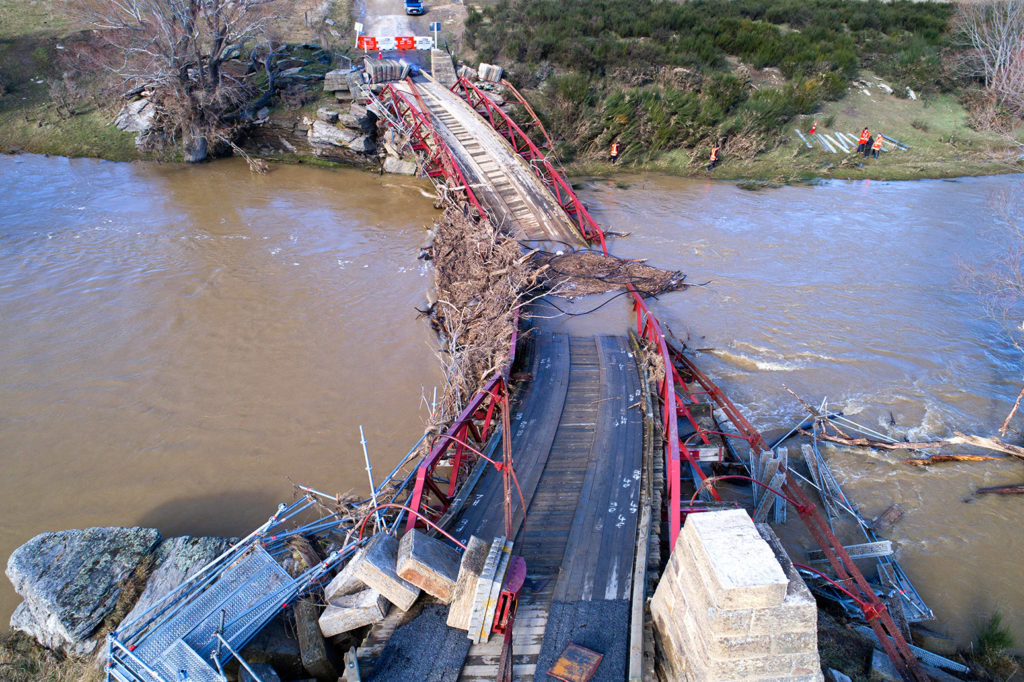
[576, 664]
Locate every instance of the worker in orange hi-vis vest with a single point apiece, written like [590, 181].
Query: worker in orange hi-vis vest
[613, 155]
[713, 158]
[877, 146]
[864, 142]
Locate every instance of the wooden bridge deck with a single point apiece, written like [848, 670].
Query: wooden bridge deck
[577, 447]
[513, 197]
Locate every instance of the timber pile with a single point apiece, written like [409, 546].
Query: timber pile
[581, 273]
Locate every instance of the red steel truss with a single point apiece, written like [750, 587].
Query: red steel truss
[475, 423]
[850, 577]
[675, 395]
[437, 159]
[559, 187]
[548, 144]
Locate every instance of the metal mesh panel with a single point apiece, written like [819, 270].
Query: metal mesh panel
[249, 604]
[181, 658]
[207, 602]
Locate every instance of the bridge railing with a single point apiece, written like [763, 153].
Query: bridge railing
[467, 435]
[647, 324]
[542, 167]
[423, 137]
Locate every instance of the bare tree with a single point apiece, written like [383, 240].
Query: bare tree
[993, 33]
[176, 51]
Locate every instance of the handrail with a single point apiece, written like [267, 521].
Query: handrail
[437, 151]
[526, 105]
[647, 324]
[521, 142]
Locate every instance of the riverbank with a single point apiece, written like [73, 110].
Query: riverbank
[936, 130]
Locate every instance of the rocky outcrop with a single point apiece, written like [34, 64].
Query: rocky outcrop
[136, 116]
[399, 166]
[325, 135]
[71, 580]
[174, 561]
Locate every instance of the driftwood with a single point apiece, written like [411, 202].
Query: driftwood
[983, 442]
[1002, 490]
[936, 459]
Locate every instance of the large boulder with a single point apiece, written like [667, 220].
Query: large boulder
[174, 561]
[136, 116]
[363, 144]
[336, 80]
[365, 119]
[399, 166]
[70, 580]
[326, 135]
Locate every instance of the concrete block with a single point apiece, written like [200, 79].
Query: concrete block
[743, 646]
[736, 562]
[346, 582]
[470, 568]
[795, 642]
[377, 570]
[352, 611]
[429, 564]
[792, 616]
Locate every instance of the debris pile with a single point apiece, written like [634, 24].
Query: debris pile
[480, 277]
[581, 273]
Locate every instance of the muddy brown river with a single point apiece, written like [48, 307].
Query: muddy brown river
[179, 343]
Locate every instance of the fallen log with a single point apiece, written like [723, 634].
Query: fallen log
[936, 459]
[1002, 490]
[983, 442]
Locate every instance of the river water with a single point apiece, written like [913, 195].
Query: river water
[178, 342]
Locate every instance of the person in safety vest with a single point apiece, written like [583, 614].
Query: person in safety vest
[613, 155]
[864, 142]
[714, 157]
[813, 128]
[877, 146]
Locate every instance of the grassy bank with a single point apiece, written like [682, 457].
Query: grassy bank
[936, 128]
[670, 81]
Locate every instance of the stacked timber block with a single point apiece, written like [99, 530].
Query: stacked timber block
[387, 572]
[727, 609]
[429, 564]
[473, 560]
[489, 72]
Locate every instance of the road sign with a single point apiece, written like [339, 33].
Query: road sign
[359, 27]
[435, 26]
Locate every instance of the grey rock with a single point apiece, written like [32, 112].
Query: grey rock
[195, 150]
[365, 119]
[327, 114]
[349, 121]
[263, 114]
[377, 570]
[325, 135]
[70, 580]
[175, 560]
[352, 611]
[336, 80]
[136, 117]
[346, 582]
[398, 166]
[363, 144]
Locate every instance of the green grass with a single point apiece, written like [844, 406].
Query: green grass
[20, 18]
